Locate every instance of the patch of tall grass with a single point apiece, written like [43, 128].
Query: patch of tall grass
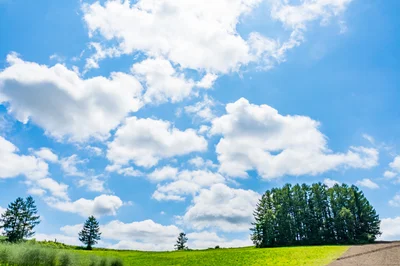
[31, 254]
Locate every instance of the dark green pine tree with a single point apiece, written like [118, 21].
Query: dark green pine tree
[19, 220]
[90, 233]
[367, 221]
[181, 242]
[259, 225]
[30, 218]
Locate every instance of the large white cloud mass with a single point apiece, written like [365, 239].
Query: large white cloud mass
[65, 105]
[258, 137]
[203, 35]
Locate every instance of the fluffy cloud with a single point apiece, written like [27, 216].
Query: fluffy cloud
[145, 231]
[13, 165]
[202, 35]
[197, 35]
[99, 206]
[143, 235]
[35, 169]
[46, 154]
[162, 82]
[258, 137]
[201, 163]
[40, 186]
[222, 207]
[390, 228]
[389, 174]
[65, 105]
[164, 173]
[368, 183]
[186, 183]
[146, 141]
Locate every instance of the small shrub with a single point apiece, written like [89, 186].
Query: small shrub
[217, 247]
[65, 260]
[116, 262]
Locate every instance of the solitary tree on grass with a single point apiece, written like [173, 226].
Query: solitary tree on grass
[19, 220]
[181, 242]
[90, 233]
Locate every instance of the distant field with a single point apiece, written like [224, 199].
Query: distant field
[290, 256]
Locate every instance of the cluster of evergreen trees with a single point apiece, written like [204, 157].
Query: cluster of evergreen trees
[314, 215]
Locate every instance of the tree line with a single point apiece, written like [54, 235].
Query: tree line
[314, 215]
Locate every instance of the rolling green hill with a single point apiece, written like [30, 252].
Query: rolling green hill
[291, 256]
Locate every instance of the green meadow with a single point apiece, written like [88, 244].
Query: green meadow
[39, 254]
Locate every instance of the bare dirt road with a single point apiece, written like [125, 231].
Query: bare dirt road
[375, 254]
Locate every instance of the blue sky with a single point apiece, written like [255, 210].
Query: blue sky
[167, 116]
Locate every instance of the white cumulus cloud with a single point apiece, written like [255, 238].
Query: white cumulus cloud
[223, 208]
[46, 154]
[100, 206]
[203, 35]
[186, 183]
[146, 141]
[65, 105]
[258, 137]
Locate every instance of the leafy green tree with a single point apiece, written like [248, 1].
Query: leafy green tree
[181, 242]
[90, 233]
[19, 220]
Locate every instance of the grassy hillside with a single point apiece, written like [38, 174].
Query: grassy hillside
[50, 253]
[291, 256]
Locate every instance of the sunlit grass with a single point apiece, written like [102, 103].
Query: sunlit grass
[290, 256]
[57, 254]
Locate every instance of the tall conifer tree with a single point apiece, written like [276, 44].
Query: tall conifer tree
[90, 233]
[304, 215]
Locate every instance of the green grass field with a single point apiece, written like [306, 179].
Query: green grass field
[50, 253]
[290, 256]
